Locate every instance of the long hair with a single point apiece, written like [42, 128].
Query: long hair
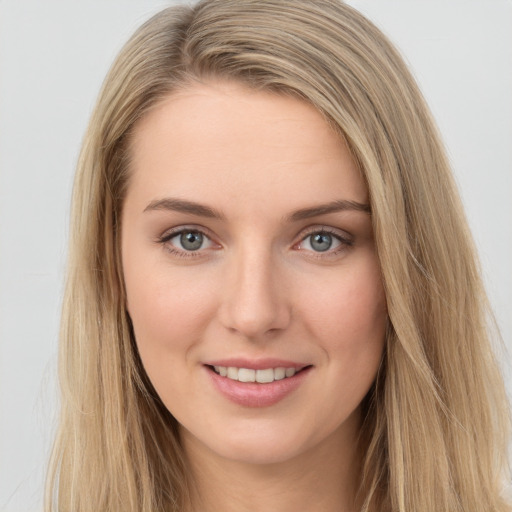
[436, 421]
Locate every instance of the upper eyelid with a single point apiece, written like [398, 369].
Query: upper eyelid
[171, 232]
[341, 233]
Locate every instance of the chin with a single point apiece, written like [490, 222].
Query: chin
[258, 452]
[252, 442]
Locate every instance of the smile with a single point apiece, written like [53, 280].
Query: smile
[263, 376]
[263, 386]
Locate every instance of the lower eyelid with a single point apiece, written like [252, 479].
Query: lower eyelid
[182, 253]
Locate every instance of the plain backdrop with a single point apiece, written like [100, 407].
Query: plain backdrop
[53, 57]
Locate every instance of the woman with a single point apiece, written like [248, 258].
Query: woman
[273, 299]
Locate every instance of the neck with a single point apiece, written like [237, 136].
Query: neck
[323, 478]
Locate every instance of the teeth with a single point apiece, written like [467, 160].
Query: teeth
[279, 373]
[246, 375]
[290, 372]
[262, 376]
[232, 373]
[221, 370]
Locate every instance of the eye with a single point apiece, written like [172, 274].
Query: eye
[189, 240]
[324, 241]
[319, 242]
[186, 242]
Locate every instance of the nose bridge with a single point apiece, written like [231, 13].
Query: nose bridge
[254, 299]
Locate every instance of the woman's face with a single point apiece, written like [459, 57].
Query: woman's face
[247, 249]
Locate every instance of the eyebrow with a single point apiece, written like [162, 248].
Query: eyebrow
[332, 207]
[184, 206]
[181, 205]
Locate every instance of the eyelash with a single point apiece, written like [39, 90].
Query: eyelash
[345, 242]
[182, 253]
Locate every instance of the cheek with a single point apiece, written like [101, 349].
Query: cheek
[168, 321]
[351, 306]
[163, 309]
[168, 310]
[348, 317]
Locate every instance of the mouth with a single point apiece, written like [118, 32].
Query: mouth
[260, 376]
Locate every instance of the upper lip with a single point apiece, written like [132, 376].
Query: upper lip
[257, 364]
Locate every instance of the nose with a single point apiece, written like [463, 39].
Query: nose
[254, 299]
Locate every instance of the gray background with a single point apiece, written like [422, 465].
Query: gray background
[53, 57]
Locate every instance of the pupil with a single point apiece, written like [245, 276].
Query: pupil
[191, 241]
[321, 242]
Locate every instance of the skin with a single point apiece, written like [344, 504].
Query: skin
[255, 288]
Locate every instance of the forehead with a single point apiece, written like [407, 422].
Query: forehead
[224, 141]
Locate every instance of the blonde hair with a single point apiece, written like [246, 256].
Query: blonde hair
[436, 422]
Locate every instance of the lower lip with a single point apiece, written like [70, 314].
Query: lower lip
[253, 394]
